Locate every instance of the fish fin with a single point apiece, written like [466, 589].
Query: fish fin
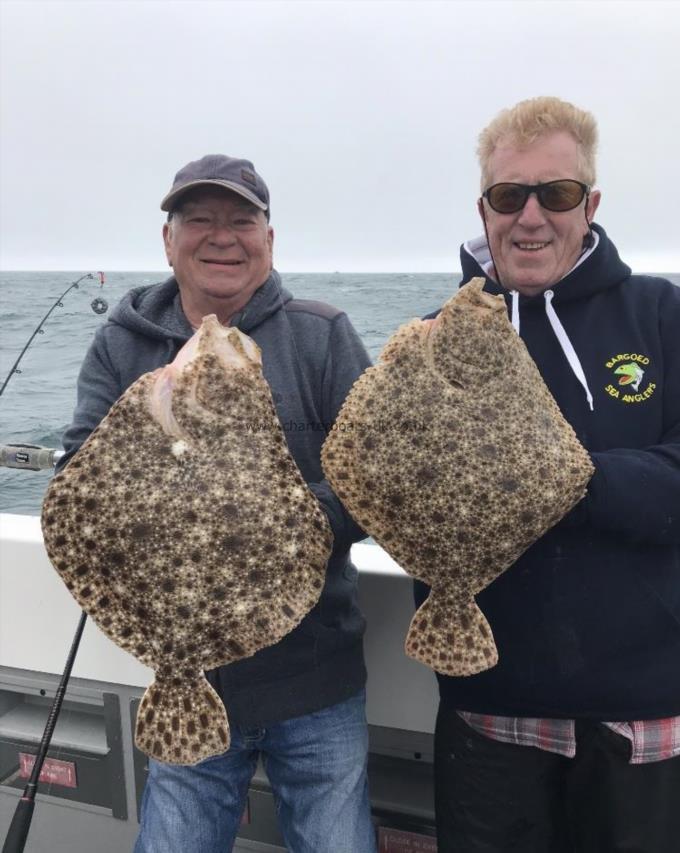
[452, 639]
[161, 390]
[181, 724]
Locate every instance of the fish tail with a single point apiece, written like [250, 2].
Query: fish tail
[452, 639]
[182, 724]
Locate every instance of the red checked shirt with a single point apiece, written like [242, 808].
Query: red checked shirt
[652, 740]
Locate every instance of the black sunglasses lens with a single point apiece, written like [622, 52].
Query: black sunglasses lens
[507, 198]
[561, 195]
[555, 195]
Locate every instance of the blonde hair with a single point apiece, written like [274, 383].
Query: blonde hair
[526, 121]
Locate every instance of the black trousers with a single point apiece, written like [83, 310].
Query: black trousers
[493, 797]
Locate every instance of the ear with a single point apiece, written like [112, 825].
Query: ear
[167, 242]
[593, 204]
[270, 244]
[480, 207]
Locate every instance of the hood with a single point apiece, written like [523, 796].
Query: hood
[155, 311]
[597, 269]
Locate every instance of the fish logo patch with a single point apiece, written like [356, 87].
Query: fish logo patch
[627, 383]
[630, 375]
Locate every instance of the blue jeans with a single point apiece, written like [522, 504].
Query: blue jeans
[316, 766]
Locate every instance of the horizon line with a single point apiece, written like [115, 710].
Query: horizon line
[282, 272]
[163, 273]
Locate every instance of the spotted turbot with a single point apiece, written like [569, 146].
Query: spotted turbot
[185, 530]
[452, 453]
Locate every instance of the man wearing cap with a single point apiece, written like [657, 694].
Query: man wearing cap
[300, 703]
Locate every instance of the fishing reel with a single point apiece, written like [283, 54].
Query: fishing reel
[98, 305]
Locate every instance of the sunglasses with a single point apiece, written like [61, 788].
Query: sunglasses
[557, 196]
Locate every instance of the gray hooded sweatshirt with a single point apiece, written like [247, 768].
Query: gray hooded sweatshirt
[311, 357]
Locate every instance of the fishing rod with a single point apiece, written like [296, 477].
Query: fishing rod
[30, 457]
[98, 305]
[34, 458]
[21, 822]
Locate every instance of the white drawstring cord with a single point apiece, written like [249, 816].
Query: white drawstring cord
[566, 345]
[515, 310]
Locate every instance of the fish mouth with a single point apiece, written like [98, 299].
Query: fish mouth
[625, 380]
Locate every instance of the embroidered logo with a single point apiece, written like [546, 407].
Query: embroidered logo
[627, 381]
[630, 374]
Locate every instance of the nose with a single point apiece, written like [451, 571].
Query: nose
[532, 214]
[222, 234]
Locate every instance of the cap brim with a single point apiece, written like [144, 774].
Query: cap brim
[170, 201]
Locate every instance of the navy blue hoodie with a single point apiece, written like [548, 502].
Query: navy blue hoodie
[587, 621]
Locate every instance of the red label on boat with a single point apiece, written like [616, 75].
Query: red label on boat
[397, 841]
[53, 771]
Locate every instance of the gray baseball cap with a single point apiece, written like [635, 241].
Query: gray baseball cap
[232, 173]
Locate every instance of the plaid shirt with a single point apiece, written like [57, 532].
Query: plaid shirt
[652, 740]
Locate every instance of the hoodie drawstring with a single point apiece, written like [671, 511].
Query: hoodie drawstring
[515, 310]
[566, 345]
[560, 334]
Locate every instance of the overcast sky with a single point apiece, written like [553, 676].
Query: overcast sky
[361, 116]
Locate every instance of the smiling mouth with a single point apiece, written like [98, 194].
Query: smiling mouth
[222, 263]
[531, 247]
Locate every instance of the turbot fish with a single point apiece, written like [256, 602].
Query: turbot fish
[452, 453]
[185, 530]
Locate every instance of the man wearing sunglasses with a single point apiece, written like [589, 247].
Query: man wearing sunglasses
[571, 744]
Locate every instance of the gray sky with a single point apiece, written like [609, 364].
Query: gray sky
[361, 116]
